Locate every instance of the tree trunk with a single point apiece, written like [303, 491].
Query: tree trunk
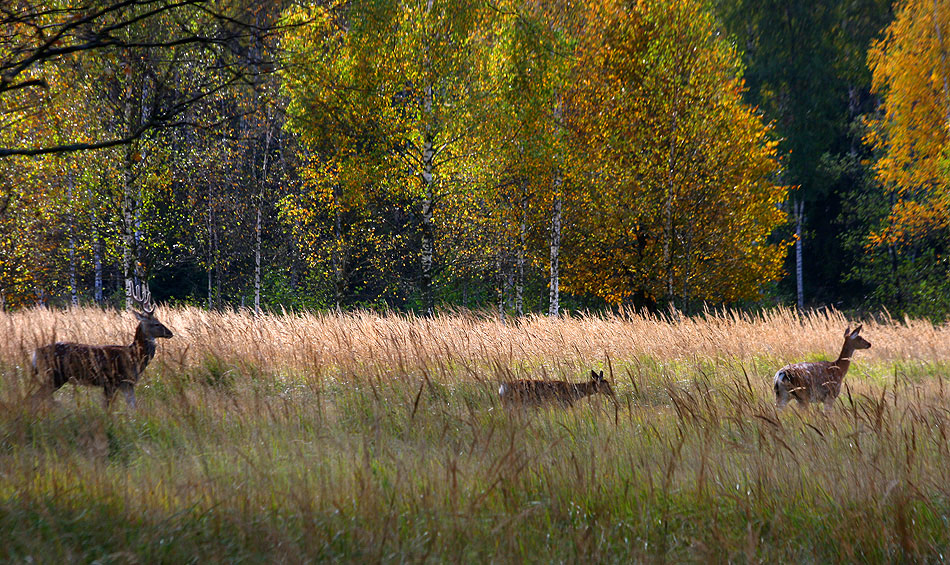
[428, 251]
[799, 220]
[687, 267]
[668, 227]
[500, 278]
[127, 234]
[257, 226]
[71, 226]
[257, 262]
[138, 257]
[217, 270]
[337, 258]
[97, 261]
[668, 206]
[132, 268]
[522, 233]
[428, 201]
[557, 182]
[128, 229]
[554, 295]
[210, 252]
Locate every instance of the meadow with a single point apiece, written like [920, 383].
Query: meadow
[380, 438]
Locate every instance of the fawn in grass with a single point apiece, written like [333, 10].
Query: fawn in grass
[819, 381]
[531, 392]
[112, 367]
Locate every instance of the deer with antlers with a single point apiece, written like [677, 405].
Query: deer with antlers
[537, 392]
[112, 367]
[819, 381]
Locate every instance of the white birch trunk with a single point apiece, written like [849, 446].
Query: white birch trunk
[522, 233]
[128, 233]
[131, 203]
[557, 182]
[428, 248]
[554, 296]
[428, 201]
[127, 236]
[138, 266]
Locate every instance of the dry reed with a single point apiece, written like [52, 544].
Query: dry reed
[403, 342]
[360, 437]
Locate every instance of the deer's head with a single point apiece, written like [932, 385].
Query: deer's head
[601, 384]
[151, 327]
[855, 341]
[148, 323]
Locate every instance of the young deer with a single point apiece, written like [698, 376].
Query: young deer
[538, 392]
[819, 381]
[112, 367]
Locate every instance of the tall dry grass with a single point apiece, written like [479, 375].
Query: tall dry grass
[361, 437]
[371, 342]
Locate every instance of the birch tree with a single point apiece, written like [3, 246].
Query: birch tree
[533, 65]
[684, 199]
[399, 84]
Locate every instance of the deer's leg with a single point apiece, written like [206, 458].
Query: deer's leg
[108, 393]
[47, 381]
[42, 395]
[129, 391]
[43, 380]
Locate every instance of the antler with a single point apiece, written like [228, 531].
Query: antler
[141, 294]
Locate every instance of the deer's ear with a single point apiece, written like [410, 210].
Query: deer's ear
[847, 332]
[141, 317]
[856, 330]
[593, 374]
[601, 375]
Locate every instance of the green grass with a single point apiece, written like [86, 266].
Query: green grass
[238, 460]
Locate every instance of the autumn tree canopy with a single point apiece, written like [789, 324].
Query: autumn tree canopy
[679, 172]
[523, 155]
[911, 134]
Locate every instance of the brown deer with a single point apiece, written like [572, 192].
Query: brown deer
[819, 381]
[112, 367]
[537, 392]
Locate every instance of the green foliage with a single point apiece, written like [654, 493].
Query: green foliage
[805, 70]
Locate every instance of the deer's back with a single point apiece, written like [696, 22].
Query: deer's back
[538, 392]
[87, 364]
[816, 379]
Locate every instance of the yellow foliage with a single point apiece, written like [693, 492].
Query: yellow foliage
[685, 200]
[912, 74]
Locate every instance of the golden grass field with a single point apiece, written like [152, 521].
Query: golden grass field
[380, 438]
